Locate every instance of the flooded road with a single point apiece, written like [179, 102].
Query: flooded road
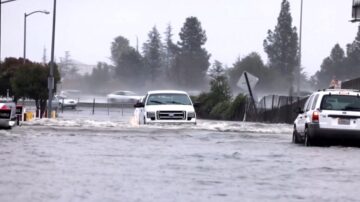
[107, 157]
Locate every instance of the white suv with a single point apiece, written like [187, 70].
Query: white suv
[328, 114]
[165, 107]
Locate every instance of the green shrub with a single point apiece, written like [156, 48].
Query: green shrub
[205, 107]
[218, 111]
[237, 108]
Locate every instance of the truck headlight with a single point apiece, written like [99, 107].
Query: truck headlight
[191, 115]
[150, 115]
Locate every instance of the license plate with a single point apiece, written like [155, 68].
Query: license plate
[344, 121]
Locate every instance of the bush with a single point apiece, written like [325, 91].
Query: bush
[219, 110]
[217, 103]
[237, 108]
[205, 107]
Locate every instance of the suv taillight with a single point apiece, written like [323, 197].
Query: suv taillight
[315, 116]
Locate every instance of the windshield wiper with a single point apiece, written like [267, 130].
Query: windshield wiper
[157, 102]
[178, 103]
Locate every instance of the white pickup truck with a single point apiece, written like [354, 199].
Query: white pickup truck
[165, 106]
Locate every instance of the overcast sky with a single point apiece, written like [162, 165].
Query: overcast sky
[234, 28]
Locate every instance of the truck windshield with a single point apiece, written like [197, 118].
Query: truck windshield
[340, 102]
[168, 99]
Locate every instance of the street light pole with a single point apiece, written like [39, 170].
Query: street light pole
[51, 73]
[25, 16]
[2, 2]
[300, 41]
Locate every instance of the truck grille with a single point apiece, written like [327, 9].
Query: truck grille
[171, 115]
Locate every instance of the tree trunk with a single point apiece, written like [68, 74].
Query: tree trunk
[42, 107]
[37, 105]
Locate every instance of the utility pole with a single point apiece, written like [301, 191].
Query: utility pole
[51, 75]
[300, 41]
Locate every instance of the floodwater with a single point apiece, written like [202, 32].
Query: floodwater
[107, 157]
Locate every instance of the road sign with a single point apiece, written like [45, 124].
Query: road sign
[242, 81]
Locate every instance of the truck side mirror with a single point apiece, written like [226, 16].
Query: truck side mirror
[139, 105]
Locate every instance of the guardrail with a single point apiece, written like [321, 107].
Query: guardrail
[110, 107]
[89, 104]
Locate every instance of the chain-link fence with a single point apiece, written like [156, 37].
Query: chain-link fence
[274, 109]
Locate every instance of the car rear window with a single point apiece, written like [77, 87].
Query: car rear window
[340, 102]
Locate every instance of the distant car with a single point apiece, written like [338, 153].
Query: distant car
[70, 93]
[66, 102]
[328, 114]
[55, 103]
[165, 107]
[7, 115]
[124, 97]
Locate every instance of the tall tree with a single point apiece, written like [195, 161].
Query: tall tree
[219, 85]
[353, 57]
[8, 69]
[281, 45]
[152, 50]
[216, 70]
[30, 81]
[192, 62]
[67, 67]
[171, 50]
[220, 93]
[331, 68]
[253, 64]
[99, 77]
[128, 62]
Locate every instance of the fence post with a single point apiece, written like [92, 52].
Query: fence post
[298, 102]
[265, 103]
[279, 98]
[62, 106]
[264, 117]
[122, 109]
[107, 104]
[93, 109]
[245, 111]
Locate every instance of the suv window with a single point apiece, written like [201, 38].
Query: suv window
[306, 103]
[309, 103]
[314, 102]
[340, 102]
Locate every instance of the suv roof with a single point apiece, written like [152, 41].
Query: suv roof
[339, 91]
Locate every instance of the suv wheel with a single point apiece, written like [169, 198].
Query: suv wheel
[308, 141]
[295, 137]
